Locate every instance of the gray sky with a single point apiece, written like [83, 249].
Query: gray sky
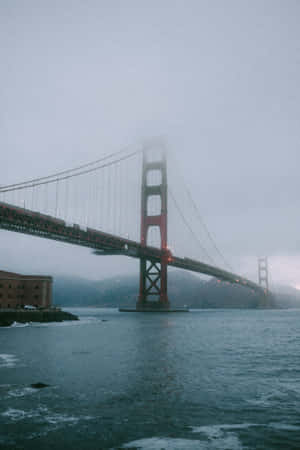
[218, 79]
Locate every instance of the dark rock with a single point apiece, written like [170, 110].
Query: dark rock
[24, 316]
[6, 322]
[39, 385]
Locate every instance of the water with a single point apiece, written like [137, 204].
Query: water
[208, 379]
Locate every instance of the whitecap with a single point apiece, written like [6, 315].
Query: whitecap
[54, 419]
[158, 443]
[42, 415]
[67, 323]
[21, 392]
[63, 418]
[213, 431]
[18, 414]
[19, 325]
[228, 442]
[223, 436]
[7, 360]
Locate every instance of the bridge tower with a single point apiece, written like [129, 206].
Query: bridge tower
[263, 272]
[153, 273]
[263, 280]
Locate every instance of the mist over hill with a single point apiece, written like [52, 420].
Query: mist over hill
[183, 289]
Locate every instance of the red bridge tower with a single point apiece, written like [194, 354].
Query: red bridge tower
[153, 273]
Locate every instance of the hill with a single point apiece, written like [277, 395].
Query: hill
[184, 289]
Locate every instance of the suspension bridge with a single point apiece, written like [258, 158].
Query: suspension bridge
[122, 204]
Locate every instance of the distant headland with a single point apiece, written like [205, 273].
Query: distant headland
[184, 289]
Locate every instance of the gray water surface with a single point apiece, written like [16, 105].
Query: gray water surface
[208, 379]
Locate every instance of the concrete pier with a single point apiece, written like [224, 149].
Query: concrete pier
[155, 310]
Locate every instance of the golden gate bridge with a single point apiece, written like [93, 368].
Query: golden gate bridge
[119, 205]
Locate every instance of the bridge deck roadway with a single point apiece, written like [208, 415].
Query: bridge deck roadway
[24, 221]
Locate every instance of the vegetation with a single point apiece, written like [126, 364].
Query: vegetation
[184, 289]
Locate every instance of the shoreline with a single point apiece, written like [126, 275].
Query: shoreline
[8, 317]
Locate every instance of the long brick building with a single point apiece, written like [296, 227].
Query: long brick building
[18, 290]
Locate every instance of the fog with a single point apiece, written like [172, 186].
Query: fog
[219, 80]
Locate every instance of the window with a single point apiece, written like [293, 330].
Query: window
[36, 296]
[36, 287]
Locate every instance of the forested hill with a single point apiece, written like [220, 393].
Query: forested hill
[183, 289]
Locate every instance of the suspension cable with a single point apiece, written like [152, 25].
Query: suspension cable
[47, 180]
[190, 229]
[201, 220]
[56, 175]
[207, 230]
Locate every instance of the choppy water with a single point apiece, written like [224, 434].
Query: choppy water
[209, 379]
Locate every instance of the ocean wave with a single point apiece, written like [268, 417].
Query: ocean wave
[19, 325]
[42, 415]
[213, 431]
[272, 398]
[222, 436]
[16, 415]
[7, 360]
[284, 426]
[15, 325]
[158, 443]
[21, 392]
[226, 434]
[67, 323]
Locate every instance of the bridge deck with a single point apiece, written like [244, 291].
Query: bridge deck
[22, 220]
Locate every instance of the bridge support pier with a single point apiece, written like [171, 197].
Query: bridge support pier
[153, 282]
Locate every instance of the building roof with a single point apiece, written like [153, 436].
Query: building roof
[4, 275]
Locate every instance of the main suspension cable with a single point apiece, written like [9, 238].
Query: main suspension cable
[64, 172]
[201, 220]
[190, 228]
[49, 180]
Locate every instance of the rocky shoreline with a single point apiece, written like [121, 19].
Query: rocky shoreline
[8, 317]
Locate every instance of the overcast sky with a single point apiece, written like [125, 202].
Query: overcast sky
[218, 79]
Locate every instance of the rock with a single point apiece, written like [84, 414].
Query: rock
[6, 322]
[24, 316]
[39, 385]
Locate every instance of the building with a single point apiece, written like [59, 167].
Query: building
[18, 290]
